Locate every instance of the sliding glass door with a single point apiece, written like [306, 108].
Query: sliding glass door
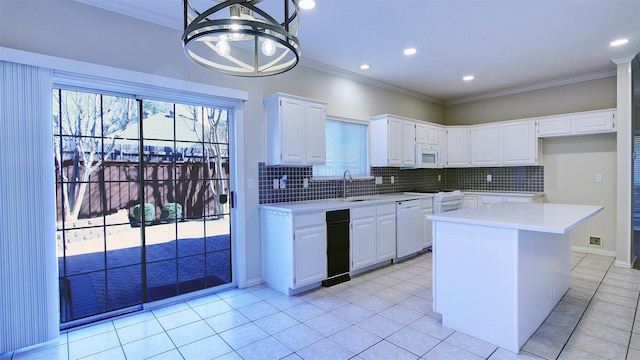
[142, 201]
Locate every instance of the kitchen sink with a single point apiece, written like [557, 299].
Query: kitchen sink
[357, 199]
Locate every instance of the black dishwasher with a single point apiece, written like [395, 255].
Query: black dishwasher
[337, 247]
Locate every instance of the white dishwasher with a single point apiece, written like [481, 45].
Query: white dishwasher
[409, 239]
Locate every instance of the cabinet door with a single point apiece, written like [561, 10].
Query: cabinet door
[458, 147]
[469, 201]
[385, 237]
[315, 139]
[555, 126]
[310, 255]
[489, 199]
[363, 242]
[427, 227]
[519, 143]
[594, 122]
[408, 143]
[292, 131]
[433, 135]
[421, 133]
[484, 144]
[394, 141]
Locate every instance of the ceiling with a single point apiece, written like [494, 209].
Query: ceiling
[508, 45]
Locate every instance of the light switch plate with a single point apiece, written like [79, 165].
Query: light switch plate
[378, 180]
[598, 178]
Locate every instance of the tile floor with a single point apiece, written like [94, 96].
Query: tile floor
[384, 314]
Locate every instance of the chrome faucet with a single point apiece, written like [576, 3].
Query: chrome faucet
[344, 182]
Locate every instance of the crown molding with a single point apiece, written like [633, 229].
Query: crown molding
[531, 87]
[364, 79]
[623, 59]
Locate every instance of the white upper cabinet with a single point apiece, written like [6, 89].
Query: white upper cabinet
[484, 145]
[594, 122]
[393, 141]
[408, 143]
[457, 146]
[295, 130]
[520, 144]
[422, 133]
[588, 122]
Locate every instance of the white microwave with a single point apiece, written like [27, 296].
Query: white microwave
[428, 156]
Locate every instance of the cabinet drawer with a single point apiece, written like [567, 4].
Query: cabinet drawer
[386, 209]
[427, 203]
[490, 199]
[310, 219]
[363, 212]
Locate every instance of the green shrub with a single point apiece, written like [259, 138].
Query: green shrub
[149, 213]
[171, 211]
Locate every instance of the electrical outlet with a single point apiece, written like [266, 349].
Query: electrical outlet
[305, 183]
[393, 179]
[595, 241]
[378, 180]
[276, 184]
[439, 177]
[489, 177]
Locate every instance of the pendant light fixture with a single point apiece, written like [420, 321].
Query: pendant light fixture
[237, 37]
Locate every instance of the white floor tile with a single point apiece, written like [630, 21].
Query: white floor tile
[265, 349]
[298, 337]
[385, 350]
[243, 335]
[325, 349]
[277, 322]
[413, 340]
[208, 348]
[355, 339]
[138, 331]
[147, 347]
[189, 333]
[386, 313]
[226, 321]
[445, 351]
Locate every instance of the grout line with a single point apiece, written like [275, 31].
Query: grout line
[588, 304]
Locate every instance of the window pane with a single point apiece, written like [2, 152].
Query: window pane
[346, 149]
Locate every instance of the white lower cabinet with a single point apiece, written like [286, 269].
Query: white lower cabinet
[427, 225]
[469, 201]
[294, 249]
[363, 237]
[385, 232]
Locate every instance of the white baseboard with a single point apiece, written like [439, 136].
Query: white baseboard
[254, 282]
[592, 250]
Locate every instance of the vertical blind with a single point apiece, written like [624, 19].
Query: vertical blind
[28, 267]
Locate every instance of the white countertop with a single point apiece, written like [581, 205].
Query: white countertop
[334, 204]
[543, 217]
[502, 193]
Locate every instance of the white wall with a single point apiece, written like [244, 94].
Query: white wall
[570, 163]
[67, 29]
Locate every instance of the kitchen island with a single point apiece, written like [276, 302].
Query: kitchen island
[500, 269]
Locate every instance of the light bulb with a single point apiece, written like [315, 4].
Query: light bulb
[268, 47]
[235, 35]
[222, 47]
[307, 4]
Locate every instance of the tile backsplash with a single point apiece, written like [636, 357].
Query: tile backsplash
[517, 178]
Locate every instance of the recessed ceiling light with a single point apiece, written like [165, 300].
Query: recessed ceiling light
[410, 51]
[307, 4]
[468, 78]
[619, 42]
[365, 66]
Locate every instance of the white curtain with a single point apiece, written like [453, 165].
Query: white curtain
[29, 301]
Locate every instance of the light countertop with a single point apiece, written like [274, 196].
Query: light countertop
[334, 204]
[502, 193]
[543, 217]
